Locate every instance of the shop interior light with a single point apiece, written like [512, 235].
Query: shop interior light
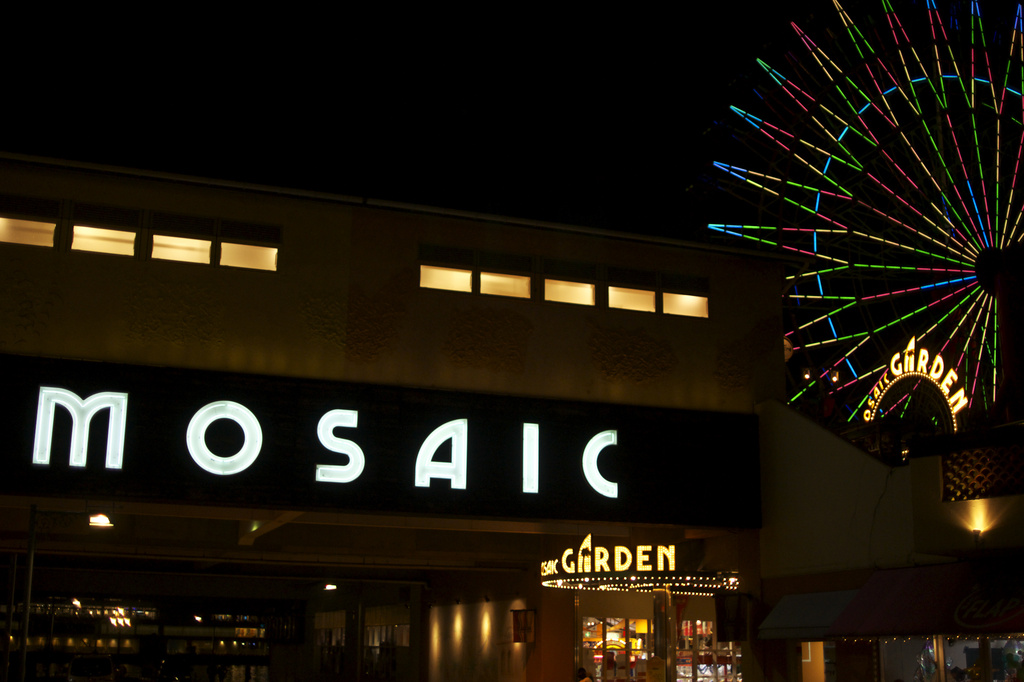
[100, 521]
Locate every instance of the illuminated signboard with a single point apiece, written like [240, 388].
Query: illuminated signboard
[917, 364]
[169, 435]
[638, 568]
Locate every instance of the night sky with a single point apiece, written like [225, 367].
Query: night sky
[588, 118]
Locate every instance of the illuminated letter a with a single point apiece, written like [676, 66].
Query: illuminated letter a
[455, 471]
[82, 412]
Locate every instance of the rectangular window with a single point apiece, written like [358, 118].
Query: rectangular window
[102, 240]
[14, 231]
[248, 256]
[495, 284]
[183, 249]
[631, 299]
[685, 304]
[450, 279]
[568, 292]
[330, 637]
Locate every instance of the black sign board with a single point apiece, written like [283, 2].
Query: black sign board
[423, 452]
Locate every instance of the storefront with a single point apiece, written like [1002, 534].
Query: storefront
[947, 622]
[129, 440]
[646, 613]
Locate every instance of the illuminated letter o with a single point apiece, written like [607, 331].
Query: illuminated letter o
[195, 438]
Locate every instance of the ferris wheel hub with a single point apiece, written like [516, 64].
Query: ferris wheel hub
[986, 267]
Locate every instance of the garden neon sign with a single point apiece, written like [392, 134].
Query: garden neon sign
[638, 568]
[917, 363]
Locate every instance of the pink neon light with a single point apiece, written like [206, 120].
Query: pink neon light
[776, 128]
[1020, 149]
[900, 169]
[963, 204]
[775, 139]
[894, 293]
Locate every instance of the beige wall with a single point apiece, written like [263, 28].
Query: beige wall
[947, 527]
[827, 506]
[345, 304]
[469, 642]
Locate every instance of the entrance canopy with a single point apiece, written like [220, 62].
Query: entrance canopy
[805, 616]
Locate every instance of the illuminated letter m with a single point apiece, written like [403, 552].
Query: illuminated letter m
[82, 412]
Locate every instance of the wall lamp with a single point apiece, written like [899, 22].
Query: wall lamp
[100, 521]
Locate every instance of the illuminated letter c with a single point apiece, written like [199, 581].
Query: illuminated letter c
[590, 454]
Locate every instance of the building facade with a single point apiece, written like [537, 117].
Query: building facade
[337, 439]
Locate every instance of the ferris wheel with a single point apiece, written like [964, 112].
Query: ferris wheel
[888, 153]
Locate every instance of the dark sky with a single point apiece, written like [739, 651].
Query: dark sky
[579, 117]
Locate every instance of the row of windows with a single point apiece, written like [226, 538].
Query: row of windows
[117, 231]
[476, 280]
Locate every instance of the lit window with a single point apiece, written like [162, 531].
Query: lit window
[631, 299]
[102, 240]
[683, 304]
[504, 285]
[568, 292]
[248, 256]
[26, 232]
[182, 249]
[450, 279]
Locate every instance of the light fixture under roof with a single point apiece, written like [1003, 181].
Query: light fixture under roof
[100, 521]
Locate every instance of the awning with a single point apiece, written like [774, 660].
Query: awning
[968, 597]
[805, 616]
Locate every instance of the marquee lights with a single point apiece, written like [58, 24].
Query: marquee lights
[427, 468]
[913, 362]
[692, 584]
[640, 568]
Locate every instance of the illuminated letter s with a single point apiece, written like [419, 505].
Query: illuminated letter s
[455, 471]
[335, 473]
[590, 453]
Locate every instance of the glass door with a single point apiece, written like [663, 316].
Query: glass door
[700, 657]
[615, 649]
